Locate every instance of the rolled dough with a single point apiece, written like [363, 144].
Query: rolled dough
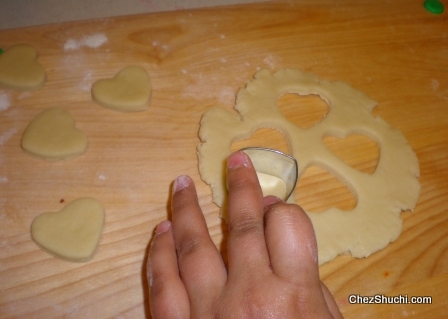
[128, 91]
[19, 68]
[73, 233]
[52, 135]
[393, 187]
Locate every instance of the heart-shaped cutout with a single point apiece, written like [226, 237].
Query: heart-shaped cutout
[356, 150]
[263, 137]
[304, 111]
[128, 91]
[73, 233]
[19, 68]
[52, 135]
[318, 190]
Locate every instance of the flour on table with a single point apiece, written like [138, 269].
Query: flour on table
[7, 135]
[271, 61]
[435, 84]
[24, 95]
[5, 101]
[86, 82]
[206, 87]
[91, 41]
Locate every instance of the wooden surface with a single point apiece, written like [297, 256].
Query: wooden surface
[394, 51]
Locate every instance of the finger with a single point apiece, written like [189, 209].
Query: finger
[168, 297]
[201, 267]
[291, 243]
[331, 303]
[247, 252]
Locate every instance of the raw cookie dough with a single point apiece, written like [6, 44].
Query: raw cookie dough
[393, 187]
[52, 135]
[19, 68]
[73, 233]
[272, 185]
[128, 91]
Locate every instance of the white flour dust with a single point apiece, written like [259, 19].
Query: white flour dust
[24, 95]
[209, 87]
[92, 41]
[435, 84]
[7, 135]
[5, 101]
[86, 82]
[271, 61]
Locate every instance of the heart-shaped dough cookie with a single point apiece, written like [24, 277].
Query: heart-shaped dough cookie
[19, 68]
[52, 135]
[73, 233]
[128, 91]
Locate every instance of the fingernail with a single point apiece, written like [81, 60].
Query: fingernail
[163, 227]
[238, 159]
[271, 200]
[181, 182]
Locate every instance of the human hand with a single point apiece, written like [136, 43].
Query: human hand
[272, 257]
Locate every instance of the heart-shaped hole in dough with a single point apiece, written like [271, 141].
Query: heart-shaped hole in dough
[52, 135]
[356, 150]
[73, 233]
[128, 91]
[263, 137]
[318, 190]
[304, 111]
[19, 68]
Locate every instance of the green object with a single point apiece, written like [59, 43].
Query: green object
[434, 6]
[1, 51]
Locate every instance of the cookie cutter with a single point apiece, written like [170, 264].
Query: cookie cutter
[275, 163]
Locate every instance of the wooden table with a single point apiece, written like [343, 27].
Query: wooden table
[394, 51]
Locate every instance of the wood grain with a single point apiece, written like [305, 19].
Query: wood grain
[396, 52]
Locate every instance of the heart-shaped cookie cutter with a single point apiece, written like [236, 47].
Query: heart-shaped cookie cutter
[275, 163]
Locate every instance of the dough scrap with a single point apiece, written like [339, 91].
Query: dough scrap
[128, 91]
[52, 135]
[19, 68]
[72, 234]
[381, 196]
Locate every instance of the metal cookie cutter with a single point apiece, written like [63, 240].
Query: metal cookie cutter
[275, 163]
